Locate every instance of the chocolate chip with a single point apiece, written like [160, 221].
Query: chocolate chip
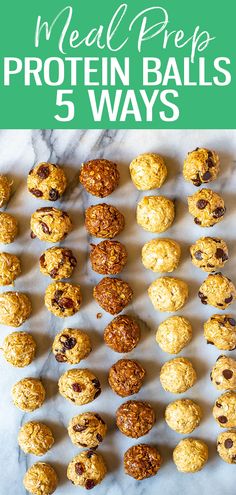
[197, 181]
[209, 342]
[32, 235]
[90, 453]
[45, 228]
[73, 261]
[222, 419]
[58, 294]
[89, 484]
[53, 194]
[229, 299]
[198, 255]
[70, 342]
[96, 383]
[97, 393]
[201, 204]
[99, 437]
[65, 303]
[79, 428]
[228, 443]
[202, 297]
[36, 192]
[227, 374]
[79, 468]
[219, 253]
[43, 172]
[206, 176]
[61, 358]
[218, 404]
[197, 221]
[76, 387]
[218, 212]
[54, 273]
[231, 321]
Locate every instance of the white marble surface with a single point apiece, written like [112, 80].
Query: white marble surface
[19, 151]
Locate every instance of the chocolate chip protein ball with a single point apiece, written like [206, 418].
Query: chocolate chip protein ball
[122, 334]
[112, 294]
[9, 228]
[190, 455]
[104, 221]
[126, 377]
[223, 375]
[79, 386]
[220, 330]
[218, 291]
[71, 345]
[50, 224]
[19, 349]
[5, 190]
[40, 479]
[168, 294]
[15, 308]
[135, 418]
[183, 415]
[207, 207]
[224, 410]
[87, 430]
[148, 171]
[226, 446]
[10, 268]
[35, 438]
[108, 257]
[47, 181]
[155, 213]
[28, 394]
[142, 461]
[201, 166]
[209, 253]
[99, 177]
[57, 263]
[174, 334]
[161, 255]
[87, 469]
[63, 299]
[177, 375]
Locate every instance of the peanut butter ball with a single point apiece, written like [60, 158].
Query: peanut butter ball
[135, 418]
[209, 253]
[190, 455]
[183, 415]
[220, 330]
[15, 308]
[142, 461]
[35, 438]
[108, 257]
[168, 294]
[87, 469]
[57, 263]
[28, 394]
[9, 228]
[87, 430]
[79, 386]
[47, 181]
[201, 166]
[10, 268]
[224, 410]
[63, 299]
[174, 334]
[112, 294]
[148, 171]
[19, 349]
[99, 177]
[71, 345]
[40, 479]
[223, 375]
[207, 207]
[50, 224]
[104, 220]
[126, 377]
[122, 334]
[155, 213]
[5, 190]
[226, 446]
[161, 255]
[218, 291]
[177, 375]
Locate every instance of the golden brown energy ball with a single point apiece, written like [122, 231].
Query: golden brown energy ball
[112, 294]
[122, 334]
[87, 469]
[57, 263]
[190, 455]
[226, 446]
[220, 330]
[174, 334]
[71, 345]
[99, 177]
[15, 308]
[201, 166]
[209, 253]
[47, 181]
[10, 268]
[207, 207]
[135, 418]
[168, 294]
[177, 375]
[161, 255]
[223, 375]
[19, 349]
[5, 190]
[35, 438]
[79, 386]
[155, 213]
[63, 299]
[217, 290]
[108, 257]
[40, 479]
[28, 394]
[142, 461]
[126, 377]
[87, 430]
[50, 224]
[148, 171]
[9, 228]
[183, 415]
[104, 221]
[224, 410]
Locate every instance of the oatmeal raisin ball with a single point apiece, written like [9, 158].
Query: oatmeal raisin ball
[71, 345]
[220, 330]
[9, 228]
[142, 461]
[223, 375]
[174, 334]
[207, 207]
[168, 294]
[47, 181]
[148, 171]
[226, 446]
[201, 166]
[19, 349]
[104, 221]
[57, 263]
[135, 418]
[126, 377]
[87, 430]
[224, 410]
[10, 268]
[5, 190]
[40, 479]
[217, 290]
[122, 334]
[209, 253]
[87, 469]
[183, 415]
[35, 438]
[99, 177]
[161, 255]
[112, 294]
[50, 224]
[108, 257]
[15, 308]
[190, 455]
[28, 394]
[155, 213]
[63, 299]
[79, 386]
[177, 375]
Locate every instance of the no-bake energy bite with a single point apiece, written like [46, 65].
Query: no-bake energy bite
[50, 224]
[104, 220]
[5, 190]
[226, 446]
[35, 438]
[87, 430]
[155, 213]
[57, 263]
[161, 255]
[63, 299]
[223, 374]
[201, 166]
[209, 253]
[207, 207]
[15, 308]
[28, 394]
[40, 479]
[79, 386]
[71, 345]
[148, 171]
[224, 410]
[99, 177]
[112, 294]
[183, 415]
[87, 469]
[10, 268]
[217, 290]
[168, 294]
[19, 349]
[135, 418]
[9, 228]
[220, 330]
[47, 181]
[142, 461]
[177, 375]
[190, 455]
[174, 334]
[126, 377]
[122, 334]
[108, 257]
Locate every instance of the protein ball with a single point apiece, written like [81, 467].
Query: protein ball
[126, 377]
[207, 207]
[135, 418]
[9, 228]
[5, 190]
[104, 221]
[161, 255]
[87, 430]
[220, 330]
[148, 171]
[177, 375]
[168, 294]
[10, 268]
[224, 410]
[79, 386]
[190, 455]
[108, 257]
[87, 469]
[183, 415]
[218, 291]
[28, 394]
[226, 446]
[155, 213]
[63, 299]
[174, 334]
[57, 263]
[71, 345]
[112, 294]
[223, 375]
[142, 461]
[19, 349]
[50, 224]
[40, 479]
[201, 166]
[209, 253]
[122, 334]
[15, 308]
[47, 181]
[35, 438]
[99, 177]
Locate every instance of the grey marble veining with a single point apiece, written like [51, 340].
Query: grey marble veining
[19, 151]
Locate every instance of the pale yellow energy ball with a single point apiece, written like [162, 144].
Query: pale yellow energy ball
[15, 308]
[201, 166]
[71, 346]
[226, 446]
[209, 253]
[35, 438]
[174, 334]
[40, 479]
[161, 255]
[87, 430]
[168, 294]
[28, 394]
[19, 349]
[10, 268]
[155, 213]
[148, 171]
[183, 415]
[207, 207]
[63, 299]
[224, 410]
[223, 374]
[190, 455]
[47, 181]
[177, 375]
[5, 190]
[79, 386]
[217, 290]
[220, 330]
[57, 263]
[87, 469]
[50, 224]
[9, 228]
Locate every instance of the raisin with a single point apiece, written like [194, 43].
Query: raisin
[76, 387]
[197, 221]
[198, 255]
[79, 428]
[43, 172]
[69, 343]
[201, 204]
[45, 228]
[222, 419]
[53, 194]
[61, 358]
[54, 273]
[90, 484]
[99, 437]
[231, 321]
[227, 374]
[97, 393]
[90, 453]
[228, 443]
[42, 260]
[79, 468]
[66, 303]
[32, 235]
[218, 405]
[96, 383]
[220, 253]
[229, 299]
[218, 212]
[206, 176]
[36, 192]
[57, 295]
